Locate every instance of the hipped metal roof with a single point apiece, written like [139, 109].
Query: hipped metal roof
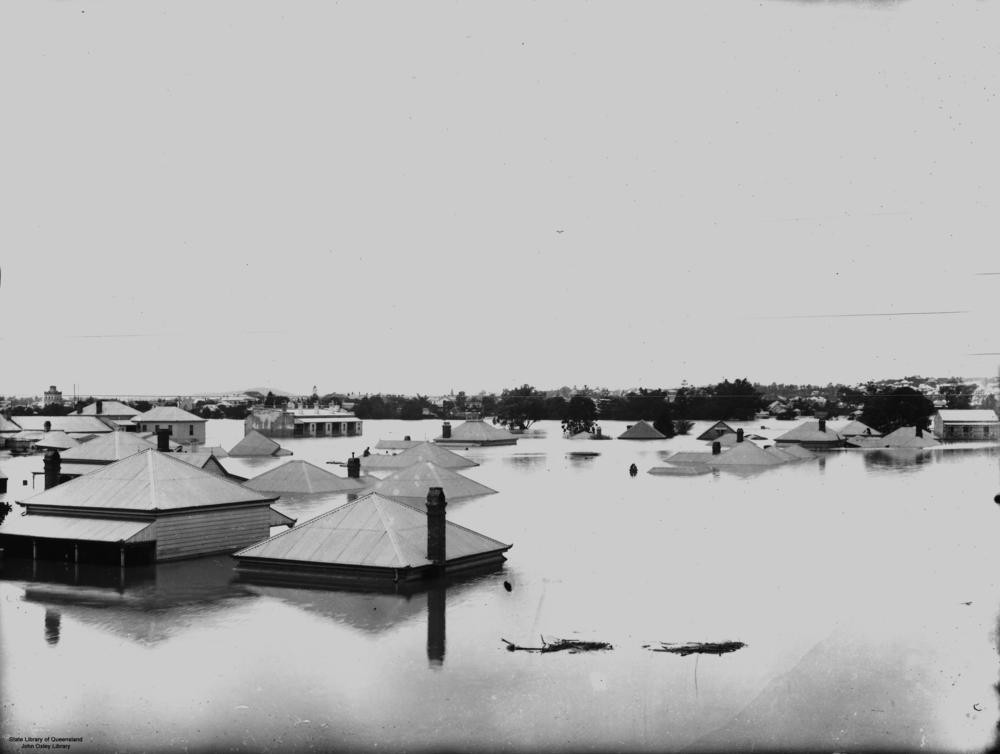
[906, 437]
[809, 432]
[302, 477]
[108, 448]
[642, 430]
[858, 429]
[745, 454]
[256, 444]
[410, 485]
[148, 481]
[424, 452]
[167, 414]
[7, 425]
[57, 440]
[372, 531]
[79, 528]
[396, 444]
[968, 415]
[108, 408]
[477, 431]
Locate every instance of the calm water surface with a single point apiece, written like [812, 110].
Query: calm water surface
[865, 585]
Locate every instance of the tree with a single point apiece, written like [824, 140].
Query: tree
[737, 400]
[460, 401]
[957, 395]
[664, 421]
[412, 409]
[519, 408]
[887, 409]
[580, 415]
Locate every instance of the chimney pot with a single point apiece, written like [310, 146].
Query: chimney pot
[407, 438]
[47, 426]
[739, 435]
[446, 430]
[436, 504]
[100, 407]
[353, 467]
[163, 440]
[822, 425]
[52, 463]
[716, 448]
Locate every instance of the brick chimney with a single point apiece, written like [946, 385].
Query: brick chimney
[100, 407]
[716, 448]
[47, 426]
[446, 430]
[353, 468]
[436, 526]
[52, 463]
[822, 425]
[163, 440]
[739, 435]
[920, 431]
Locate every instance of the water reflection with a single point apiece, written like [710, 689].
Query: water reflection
[526, 459]
[900, 459]
[53, 620]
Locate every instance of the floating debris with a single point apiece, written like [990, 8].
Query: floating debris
[697, 647]
[572, 645]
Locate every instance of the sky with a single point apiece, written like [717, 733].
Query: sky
[435, 196]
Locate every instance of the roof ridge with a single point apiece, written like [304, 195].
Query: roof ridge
[388, 529]
[185, 465]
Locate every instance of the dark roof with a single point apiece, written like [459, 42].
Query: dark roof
[642, 431]
[256, 444]
[719, 428]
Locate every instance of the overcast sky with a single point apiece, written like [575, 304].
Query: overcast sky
[418, 197]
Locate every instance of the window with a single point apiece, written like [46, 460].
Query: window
[190, 429]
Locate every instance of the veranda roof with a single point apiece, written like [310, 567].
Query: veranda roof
[425, 451]
[642, 430]
[79, 528]
[410, 485]
[147, 481]
[302, 477]
[372, 531]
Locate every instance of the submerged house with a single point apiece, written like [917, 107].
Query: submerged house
[8, 428]
[857, 428]
[410, 485]
[301, 477]
[812, 434]
[71, 424]
[148, 507]
[254, 444]
[372, 539]
[424, 452]
[101, 451]
[715, 431]
[302, 422]
[185, 428]
[642, 430]
[115, 414]
[474, 432]
[953, 425]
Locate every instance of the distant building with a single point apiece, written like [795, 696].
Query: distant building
[302, 422]
[185, 427]
[53, 396]
[954, 425]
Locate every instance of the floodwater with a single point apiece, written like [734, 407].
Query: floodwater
[865, 585]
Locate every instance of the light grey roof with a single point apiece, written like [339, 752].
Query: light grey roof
[410, 485]
[71, 423]
[7, 425]
[906, 437]
[426, 451]
[809, 432]
[798, 451]
[745, 454]
[477, 431]
[396, 444]
[108, 408]
[56, 439]
[372, 531]
[858, 429]
[690, 457]
[256, 444]
[167, 414]
[642, 430]
[113, 446]
[968, 415]
[302, 477]
[79, 528]
[147, 481]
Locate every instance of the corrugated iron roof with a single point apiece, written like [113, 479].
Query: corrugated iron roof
[70, 423]
[410, 485]
[255, 444]
[425, 451]
[687, 457]
[110, 447]
[79, 528]
[715, 430]
[147, 481]
[642, 430]
[397, 444]
[906, 437]
[7, 425]
[809, 432]
[302, 477]
[857, 429]
[372, 531]
[477, 431]
[57, 440]
[744, 454]
[972, 415]
[167, 414]
[108, 408]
